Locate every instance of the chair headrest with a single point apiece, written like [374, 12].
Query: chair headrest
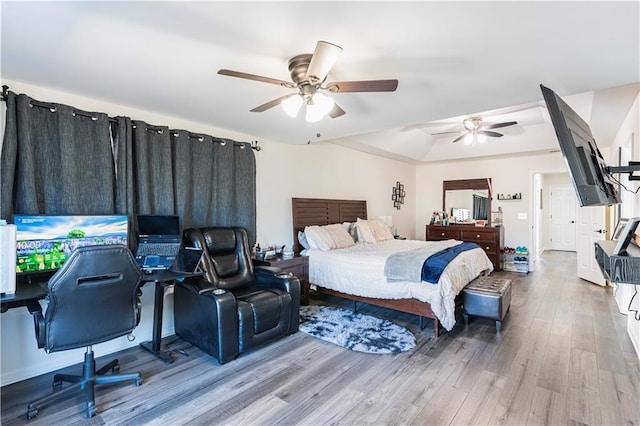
[220, 240]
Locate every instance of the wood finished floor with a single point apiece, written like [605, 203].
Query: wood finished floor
[563, 357]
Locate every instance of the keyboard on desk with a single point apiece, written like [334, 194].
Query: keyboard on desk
[158, 249]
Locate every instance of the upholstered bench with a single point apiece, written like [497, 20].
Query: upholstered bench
[487, 297]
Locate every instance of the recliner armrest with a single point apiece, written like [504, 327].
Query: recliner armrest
[270, 276]
[267, 271]
[198, 286]
[35, 309]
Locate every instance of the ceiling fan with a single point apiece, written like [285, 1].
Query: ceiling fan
[308, 74]
[476, 129]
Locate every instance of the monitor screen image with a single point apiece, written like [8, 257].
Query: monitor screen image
[44, 242]
[589, 172]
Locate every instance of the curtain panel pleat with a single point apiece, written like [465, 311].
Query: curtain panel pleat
[480, 207]
[214, 182]
[55, 161]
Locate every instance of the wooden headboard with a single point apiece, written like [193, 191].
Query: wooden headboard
[318, 211]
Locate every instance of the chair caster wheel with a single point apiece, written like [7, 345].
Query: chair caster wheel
[138, 382]
[116, 368]
[92, 410]
[57, 384]
[32, 413]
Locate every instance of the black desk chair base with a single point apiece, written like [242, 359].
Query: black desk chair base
[86, 383]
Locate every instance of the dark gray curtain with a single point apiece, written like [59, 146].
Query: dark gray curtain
[58, 160]
[480, 208]
[122, 137]
[152, 173]
[55, 160]
[214, 182]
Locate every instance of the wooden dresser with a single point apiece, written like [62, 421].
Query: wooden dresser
[490, 239]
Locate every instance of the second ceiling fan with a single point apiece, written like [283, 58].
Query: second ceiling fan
[308, 74]
[476, 129]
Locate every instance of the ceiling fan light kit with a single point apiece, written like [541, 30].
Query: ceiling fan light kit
[476, 130]
[292, 105]
[308, 73]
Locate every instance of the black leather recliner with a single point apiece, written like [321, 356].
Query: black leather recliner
[94, 297]
[237, 307]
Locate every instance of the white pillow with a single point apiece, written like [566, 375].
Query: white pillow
[381, 231]
[328, 237]
[339, 236]
[365, 233]
[317, 238]
[302, 239]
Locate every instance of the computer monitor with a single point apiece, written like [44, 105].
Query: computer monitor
[44, 242]
[589, 172]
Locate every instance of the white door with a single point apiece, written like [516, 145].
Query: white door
[563, 218]
[591, 228]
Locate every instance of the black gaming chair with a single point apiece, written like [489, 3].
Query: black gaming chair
[93, 298]
[237, 307]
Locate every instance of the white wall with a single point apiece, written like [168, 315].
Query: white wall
[328, 171]
[629, 136]
[507, 176]
[319, 170]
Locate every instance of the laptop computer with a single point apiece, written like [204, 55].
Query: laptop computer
[187, 260]
[159, 241]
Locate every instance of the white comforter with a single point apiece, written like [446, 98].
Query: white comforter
[359, 270]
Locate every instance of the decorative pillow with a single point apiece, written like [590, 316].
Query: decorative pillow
[302, 239]
[339, 236]
[381, 231]
[365, 233]
[328, 237]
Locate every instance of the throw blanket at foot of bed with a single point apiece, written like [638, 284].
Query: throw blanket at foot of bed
[424, 264]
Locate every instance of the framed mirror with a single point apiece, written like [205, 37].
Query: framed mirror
[467, 199]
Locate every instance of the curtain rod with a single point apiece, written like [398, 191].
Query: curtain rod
[254, 144]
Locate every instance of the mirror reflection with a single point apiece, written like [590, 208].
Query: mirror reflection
[467, 204]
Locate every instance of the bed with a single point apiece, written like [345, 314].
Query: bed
[357, 272]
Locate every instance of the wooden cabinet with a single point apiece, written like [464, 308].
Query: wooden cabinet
[490, 239]
[297, 265]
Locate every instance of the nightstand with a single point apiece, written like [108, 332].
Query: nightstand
[297, 265]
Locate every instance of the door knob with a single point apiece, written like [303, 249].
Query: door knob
[573, 221]
[601, 231]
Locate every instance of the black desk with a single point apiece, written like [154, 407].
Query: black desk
[26, 294]
[29, 293]
[162, 279]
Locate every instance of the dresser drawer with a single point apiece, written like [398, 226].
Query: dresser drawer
[477, 235]
[442, 234]
[489, 247]
[300, 271]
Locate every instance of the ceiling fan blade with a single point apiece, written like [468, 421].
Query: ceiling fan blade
[447, 133]
[324, 58]
[498, 125]
[272, 103]
[336, 111]
[459, 138]
[363, 86]
[490, 133]
[254, 77]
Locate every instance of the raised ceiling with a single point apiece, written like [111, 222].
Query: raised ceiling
[452, 60]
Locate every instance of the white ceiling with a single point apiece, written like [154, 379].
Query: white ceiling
[452, 59]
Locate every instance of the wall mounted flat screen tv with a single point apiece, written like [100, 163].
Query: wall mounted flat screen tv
[44, 242]
[589, 172]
